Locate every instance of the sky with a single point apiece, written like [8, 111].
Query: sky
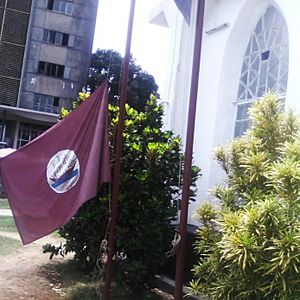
[149, 42]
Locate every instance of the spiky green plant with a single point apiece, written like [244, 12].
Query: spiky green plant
[249, 248]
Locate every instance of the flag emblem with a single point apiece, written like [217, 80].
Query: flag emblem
[63, 171]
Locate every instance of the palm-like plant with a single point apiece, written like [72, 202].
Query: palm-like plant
[250, 247]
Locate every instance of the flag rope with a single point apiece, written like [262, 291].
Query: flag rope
[175, 244]
[179, 180]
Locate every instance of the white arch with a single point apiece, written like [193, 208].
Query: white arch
[238, 39]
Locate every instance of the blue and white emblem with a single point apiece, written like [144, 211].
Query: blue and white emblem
[63, 171]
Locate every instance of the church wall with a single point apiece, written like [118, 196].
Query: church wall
[290, 10]
[221, 62]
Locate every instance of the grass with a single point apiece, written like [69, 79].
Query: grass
[77, 285]
[55, 234]
[7, 224]
[4, 203]
[8, 245]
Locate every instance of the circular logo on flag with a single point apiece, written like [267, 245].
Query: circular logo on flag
[63, 171]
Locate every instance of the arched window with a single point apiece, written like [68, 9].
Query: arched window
[265, 65]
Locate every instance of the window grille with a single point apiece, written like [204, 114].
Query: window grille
[28, 132]
[46, 103]
[56, 37]
[265, 65]
[61, 6]
[50, 69]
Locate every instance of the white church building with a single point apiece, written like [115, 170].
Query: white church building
[248, 47]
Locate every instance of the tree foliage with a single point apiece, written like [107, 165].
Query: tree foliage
[107, 64]
[150, 186]
[250, 247]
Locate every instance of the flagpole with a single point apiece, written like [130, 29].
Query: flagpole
[118, 151]
[189, 150]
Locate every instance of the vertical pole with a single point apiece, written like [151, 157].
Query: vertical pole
[3, 126]
[189, 150]
[3, 20]
[117, 164]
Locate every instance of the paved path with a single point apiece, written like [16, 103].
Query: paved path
[5, 212]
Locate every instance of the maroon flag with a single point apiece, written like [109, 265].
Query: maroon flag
[47, 180]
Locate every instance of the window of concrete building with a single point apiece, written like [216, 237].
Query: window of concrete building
[64, 39]
[7, 131]
[62, 6]
[2, 133]
[56, 37]
[265, 65]
[67, 72]
[50, 69]
[28, 132]
[71, 41]
[46, 103]
[49, 36]
[56, 101]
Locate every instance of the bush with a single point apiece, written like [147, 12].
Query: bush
[250, 247]
[150, 186]
[107, 64]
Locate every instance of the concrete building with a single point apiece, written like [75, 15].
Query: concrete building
[45, 51]
[249, 46]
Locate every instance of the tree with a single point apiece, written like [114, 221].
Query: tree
[107, 64]
[250, 247]
[150, 185]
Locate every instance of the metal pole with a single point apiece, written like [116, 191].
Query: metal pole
[189, 150]
[117, 164]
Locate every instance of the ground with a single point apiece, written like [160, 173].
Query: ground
[22, 275]
[27, 273]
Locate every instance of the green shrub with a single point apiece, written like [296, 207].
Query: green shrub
[151, 179]
[249, 248]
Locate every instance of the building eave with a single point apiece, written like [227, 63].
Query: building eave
[159, 13]
[23, 114]
[158, 16]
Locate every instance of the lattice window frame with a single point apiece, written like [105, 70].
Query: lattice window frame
[265, 64]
